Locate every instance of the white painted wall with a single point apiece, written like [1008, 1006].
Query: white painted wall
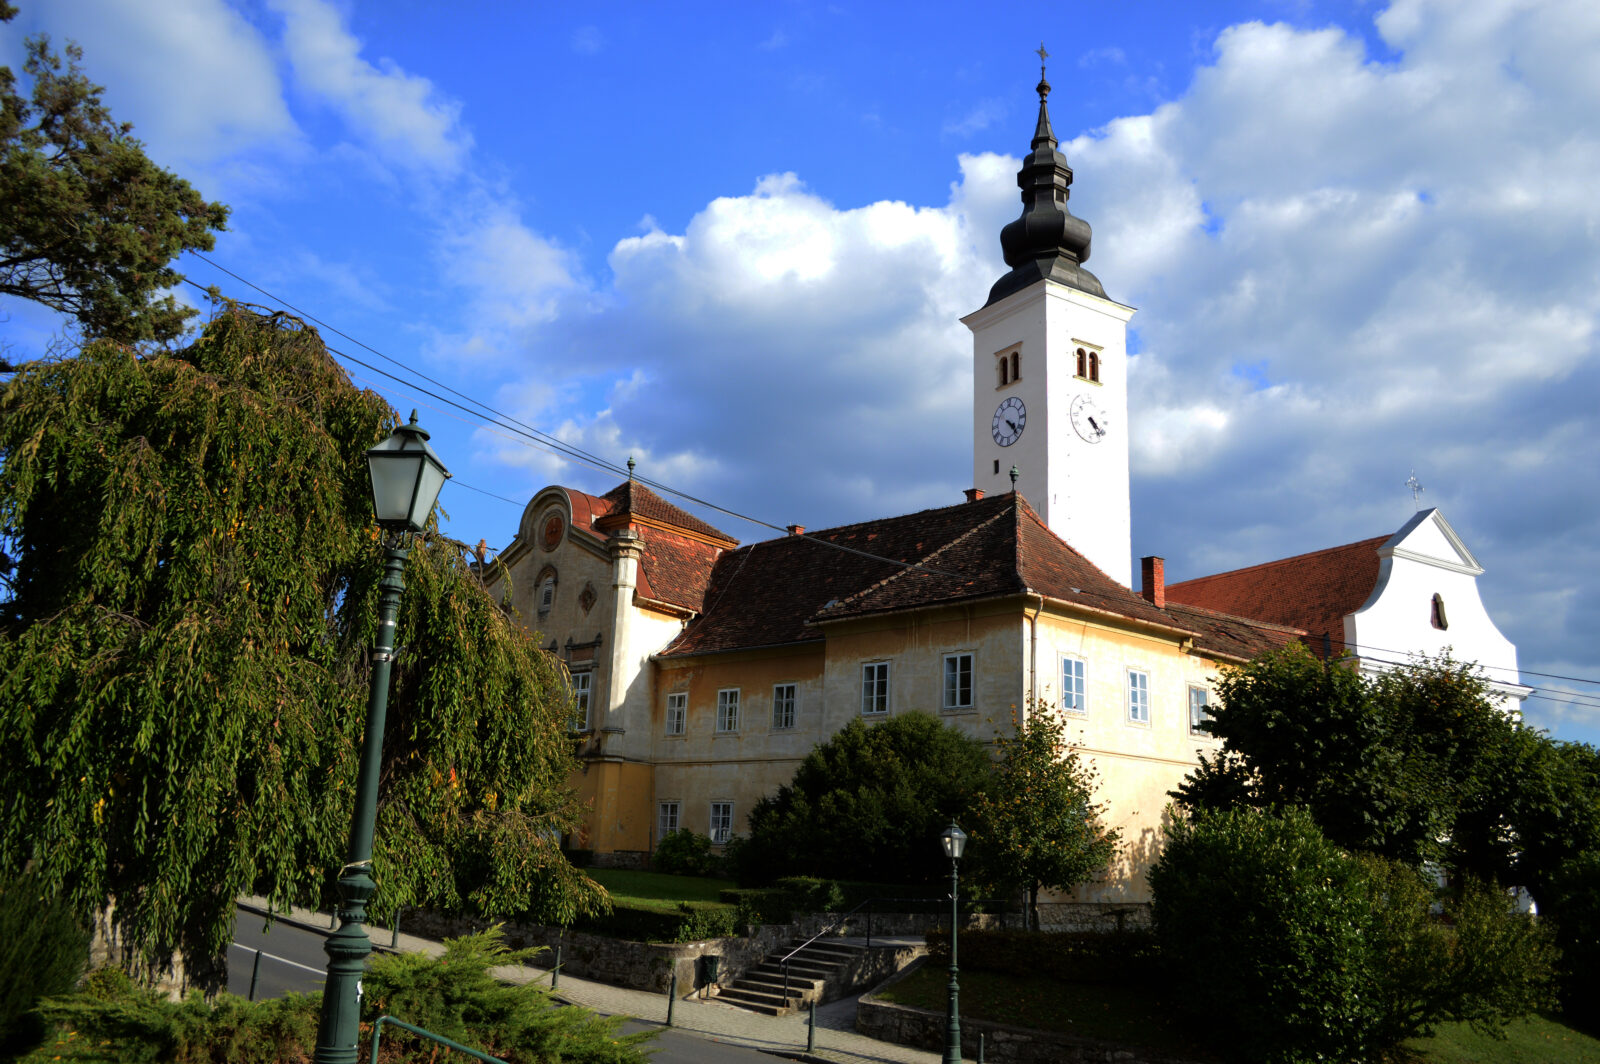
[1427, 557]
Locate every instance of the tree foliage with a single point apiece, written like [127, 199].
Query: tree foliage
[1038, 819]
[1294, 950]
[91, 224]
[868, 804]
[182, 659]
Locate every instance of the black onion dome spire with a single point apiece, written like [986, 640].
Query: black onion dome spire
[1047, 242]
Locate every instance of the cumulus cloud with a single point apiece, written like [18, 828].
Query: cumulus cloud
[200, 78]
[401, 116]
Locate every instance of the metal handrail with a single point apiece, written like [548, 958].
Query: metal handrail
[441, 1039]
[837, 923]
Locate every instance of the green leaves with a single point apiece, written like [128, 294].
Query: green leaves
[183, 672]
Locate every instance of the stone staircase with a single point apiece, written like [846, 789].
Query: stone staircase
[819, 972]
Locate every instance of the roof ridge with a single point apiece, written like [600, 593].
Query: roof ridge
[885, 520]
[907, 567]
[1281, 561]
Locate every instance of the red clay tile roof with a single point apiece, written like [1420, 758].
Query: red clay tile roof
[1312, 592]
[775, 592]
[630, 498]
[675, 569]
[1233, 638]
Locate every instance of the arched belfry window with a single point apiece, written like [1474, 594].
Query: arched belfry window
[1016, 365]
[1094, 366]
[1440, 621]
[1001, 365]
[1083, 362]
[1008, 366]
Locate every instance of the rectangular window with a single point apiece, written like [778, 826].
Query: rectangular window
[783, 699]
[721, 822]
[958, 681]
[677, 712]
[666, 820]
[1138, 696]
[875, 688]
[728, 709]
[582, 683]
[1072, 690]
[1198, 713]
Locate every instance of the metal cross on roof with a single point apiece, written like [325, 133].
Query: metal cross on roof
[1416, 489]
[1042, 54]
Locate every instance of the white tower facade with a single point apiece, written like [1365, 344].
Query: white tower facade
[1050, 371]
[1050, 398]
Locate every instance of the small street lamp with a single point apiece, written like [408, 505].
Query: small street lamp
[954, 841]
[406, 478]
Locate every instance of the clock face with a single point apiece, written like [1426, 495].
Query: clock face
[1089, 420]
[1009, 418]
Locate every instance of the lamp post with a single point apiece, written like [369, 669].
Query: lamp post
[954, 841]
[406, 478]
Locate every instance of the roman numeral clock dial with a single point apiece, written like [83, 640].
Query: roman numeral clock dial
[1009, 418]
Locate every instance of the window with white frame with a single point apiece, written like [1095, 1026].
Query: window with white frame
[728, 709]
[1199, 713]
[1138, 696]
[1072, 689]
[677, 712]
[666, 819]
[582, 685]
[958, 681]
[721, 822]
[875, 688]
[784, 696]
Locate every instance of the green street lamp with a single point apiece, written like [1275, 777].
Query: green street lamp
[954, 841]
[406, 478]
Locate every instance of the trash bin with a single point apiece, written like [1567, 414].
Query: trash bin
[713, 968]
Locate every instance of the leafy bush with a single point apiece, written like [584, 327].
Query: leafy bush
[686, 853]
[869, 802]
[454, 995]
[43, 951]
[689, 922]
[1293, 950]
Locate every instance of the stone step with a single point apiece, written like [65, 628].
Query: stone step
[773, 1004]
[772, 982]
[797, 969]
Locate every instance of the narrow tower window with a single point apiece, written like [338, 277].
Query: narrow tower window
[1001, 366]
[1016, 365]
[1094, 366]
[1440, 621]
[1083, 362]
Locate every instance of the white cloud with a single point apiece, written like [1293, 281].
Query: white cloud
[399, 115]
[587, 40]
[196, 78]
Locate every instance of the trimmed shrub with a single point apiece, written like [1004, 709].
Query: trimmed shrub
[691, 921]
[43, 951]
[686, 853]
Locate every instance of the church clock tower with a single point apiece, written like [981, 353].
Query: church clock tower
[1050, 370]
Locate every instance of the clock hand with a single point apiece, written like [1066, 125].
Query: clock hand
[1098, 430]
[1013, 425]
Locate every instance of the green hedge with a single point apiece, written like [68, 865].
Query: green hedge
[690, 922]
[1123, 957]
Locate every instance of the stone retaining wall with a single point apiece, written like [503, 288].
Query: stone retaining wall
[1002, 1043]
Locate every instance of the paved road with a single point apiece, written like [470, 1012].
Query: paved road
[292, 959]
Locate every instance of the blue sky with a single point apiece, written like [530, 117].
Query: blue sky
[733, 241]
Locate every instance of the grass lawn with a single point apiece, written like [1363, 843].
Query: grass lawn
[657, 890]
[1133, 1015]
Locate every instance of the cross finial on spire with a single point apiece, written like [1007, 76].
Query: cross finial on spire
[1416, 489]
[1043, 55]
[1043, 88]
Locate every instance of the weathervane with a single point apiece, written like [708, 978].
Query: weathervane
[1416, 489]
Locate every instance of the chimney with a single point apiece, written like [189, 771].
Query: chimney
[974, 494]
[1153, 580]
[797, 530]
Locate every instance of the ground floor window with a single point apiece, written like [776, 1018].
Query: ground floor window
[666, 819]
[1199, 712]
[721, 822]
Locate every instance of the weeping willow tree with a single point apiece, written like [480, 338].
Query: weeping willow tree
[193, 570]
